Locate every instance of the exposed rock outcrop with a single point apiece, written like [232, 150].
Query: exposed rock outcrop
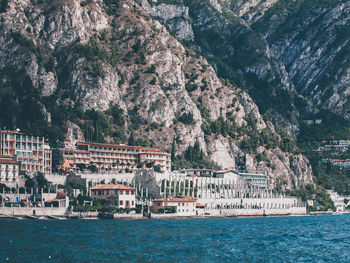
[73, 135]
[93, 56]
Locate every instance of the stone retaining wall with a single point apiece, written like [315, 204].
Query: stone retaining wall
[39, 211]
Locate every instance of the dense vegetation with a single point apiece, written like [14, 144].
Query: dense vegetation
[193, 157]
[318, 194]
[330, 176]
[333, 127]
[310, 137]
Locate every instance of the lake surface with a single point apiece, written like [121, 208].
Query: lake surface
[265, 239]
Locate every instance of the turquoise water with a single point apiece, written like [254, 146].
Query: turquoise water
[265, 239]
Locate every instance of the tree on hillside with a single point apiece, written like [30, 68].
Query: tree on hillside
[57, 159]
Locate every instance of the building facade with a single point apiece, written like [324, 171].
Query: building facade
[334, 146]
[337, 162]
[254, 179]
[118, 195]
[228, 175]
[114, 156]
[184, 206]
[9, 172]
[32, 152]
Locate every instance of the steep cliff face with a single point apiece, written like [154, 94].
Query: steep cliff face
[295, 50]
[240, 54]
[306, 47]
[251, 10]
[110, 61]
[312, 42]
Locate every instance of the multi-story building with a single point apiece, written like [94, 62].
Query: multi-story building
[337, 162]
[114, 156]
[340, 142]
[9, 172]
[336, 146]
[72, 158]
[32, 152]
[254, 179]
[121, 196]
[184, 205]
[229, 175]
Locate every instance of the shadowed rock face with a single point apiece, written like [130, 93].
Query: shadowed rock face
[300, 46]
[93, 56]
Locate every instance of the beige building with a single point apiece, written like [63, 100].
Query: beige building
[183, 206]
[229, 176]
[118, 195]
[9, 172]
[114, 156]
[32, 152]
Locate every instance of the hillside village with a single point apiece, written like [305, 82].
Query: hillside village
[125, 180]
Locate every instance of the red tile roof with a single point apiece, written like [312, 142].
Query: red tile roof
[176, 199]
[112, 187]
[200, 205]
[222, 171]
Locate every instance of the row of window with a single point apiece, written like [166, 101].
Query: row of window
[30, 154]
[183, 210]
[6, 166]
[121, 192]
[30, 161]
[185, 204]
[28, 146]
[112, 149]
[7, 176]
[111, 160]
[127, 203]
[26, 138]
[33, 168]
[112, 154]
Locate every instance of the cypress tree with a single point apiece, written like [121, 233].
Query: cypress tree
[173, 150]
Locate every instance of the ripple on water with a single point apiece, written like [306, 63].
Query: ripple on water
[278, 239]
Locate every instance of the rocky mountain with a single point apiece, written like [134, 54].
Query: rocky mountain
[144, 72]
[290, 55]
[314, 51]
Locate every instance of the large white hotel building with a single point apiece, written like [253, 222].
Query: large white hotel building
[114, 156]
